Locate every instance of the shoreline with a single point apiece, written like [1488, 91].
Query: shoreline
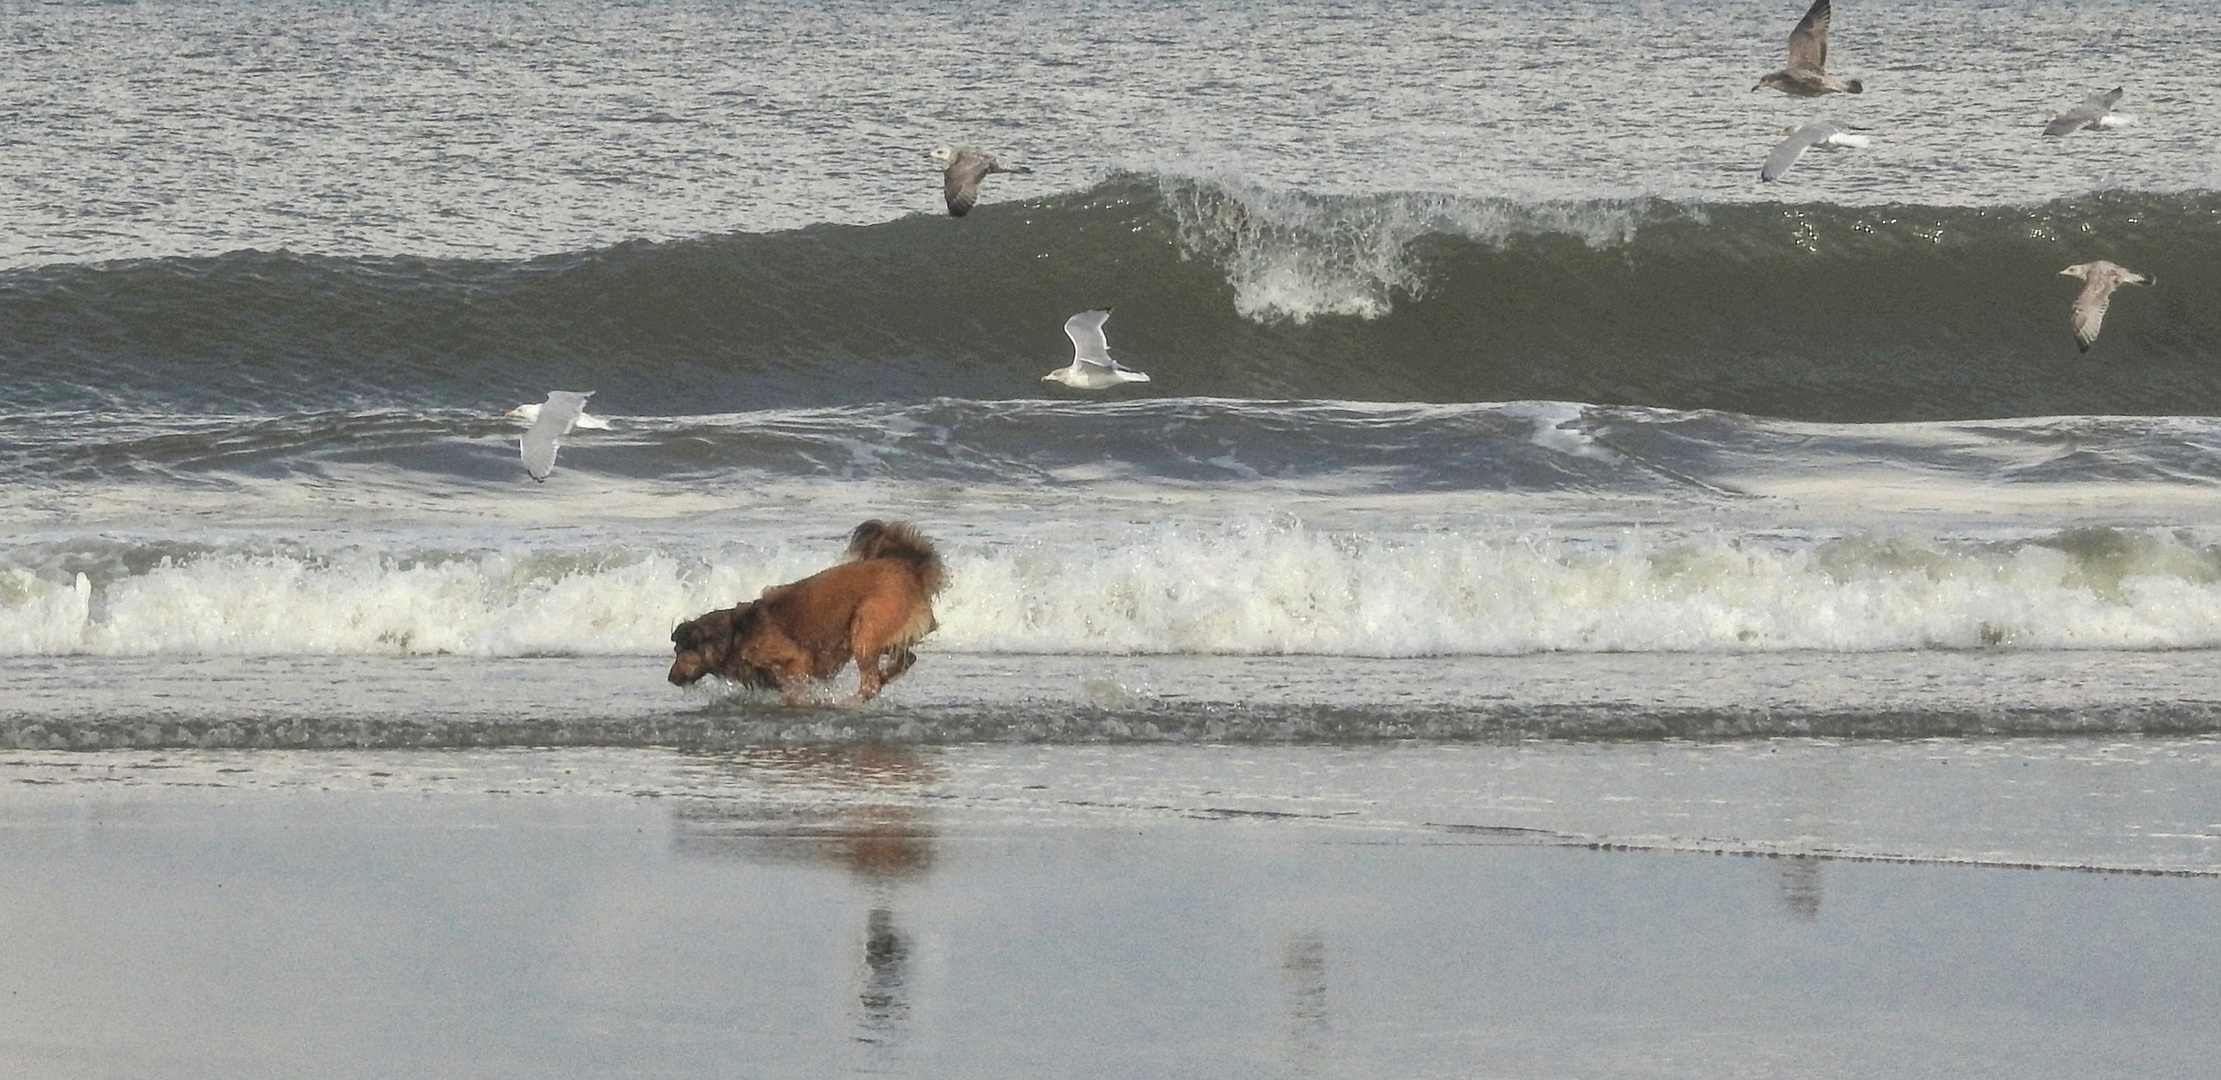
[2140, 805]
[955, 699]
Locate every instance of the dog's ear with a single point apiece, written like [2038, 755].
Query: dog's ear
[716, 630]
[700, 630]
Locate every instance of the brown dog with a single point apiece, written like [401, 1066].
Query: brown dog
[869, 609]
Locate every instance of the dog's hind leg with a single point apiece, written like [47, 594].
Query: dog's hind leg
[868, 678]
[880, 635]
[895, 661]
[875, 670]
[869, 639]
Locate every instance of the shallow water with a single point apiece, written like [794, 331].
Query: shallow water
[1111, 912]
[448, 702]
[2117, 802]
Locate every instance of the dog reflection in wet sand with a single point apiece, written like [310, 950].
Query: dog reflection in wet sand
[870, 609]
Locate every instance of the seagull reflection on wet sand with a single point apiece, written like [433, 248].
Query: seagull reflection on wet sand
[885, 1007]
[1303, 970]
[1800, 887]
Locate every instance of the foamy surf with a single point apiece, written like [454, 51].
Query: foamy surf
[1242, 587]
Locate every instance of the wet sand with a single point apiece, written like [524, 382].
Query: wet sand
[1417, 911]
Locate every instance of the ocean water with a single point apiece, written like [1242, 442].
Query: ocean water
[1530, 513]
[1476, 344]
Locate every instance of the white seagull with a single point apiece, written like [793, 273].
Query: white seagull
[2100, 278]
[2096, 111]
[963, 168]
[1827, 133]
[552, 421]
[529, 413]
[1092, 367]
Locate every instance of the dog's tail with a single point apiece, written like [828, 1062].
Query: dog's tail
[877, 539]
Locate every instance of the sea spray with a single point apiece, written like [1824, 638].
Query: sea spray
[1294, 256]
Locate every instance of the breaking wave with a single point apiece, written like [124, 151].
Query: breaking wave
[1222, 288]
[1242, 588]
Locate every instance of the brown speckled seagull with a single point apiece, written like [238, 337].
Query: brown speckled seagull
[1807, 72]
[963, 168]
[2099, 278]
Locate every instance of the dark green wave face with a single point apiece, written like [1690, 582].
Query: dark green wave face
[1807, 312]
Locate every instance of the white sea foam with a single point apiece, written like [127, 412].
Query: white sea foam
[1243, 588]
[1297, 256]
[518, 602]
[1267, 590]
[39, 617]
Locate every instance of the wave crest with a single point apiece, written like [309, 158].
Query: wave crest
[1295, 256]
[1225, 289]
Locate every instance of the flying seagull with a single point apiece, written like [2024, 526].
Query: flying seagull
[1826, 133]
[1807, 74]
[556, 415]
[963, 168]
[2100, 278]
[1092, 367]
[2096, 111]
[529, 413]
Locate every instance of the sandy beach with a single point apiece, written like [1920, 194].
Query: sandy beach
[1791, 907]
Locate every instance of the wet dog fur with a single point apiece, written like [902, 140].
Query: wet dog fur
[869, 609]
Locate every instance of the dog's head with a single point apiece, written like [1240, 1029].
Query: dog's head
[705, 645]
